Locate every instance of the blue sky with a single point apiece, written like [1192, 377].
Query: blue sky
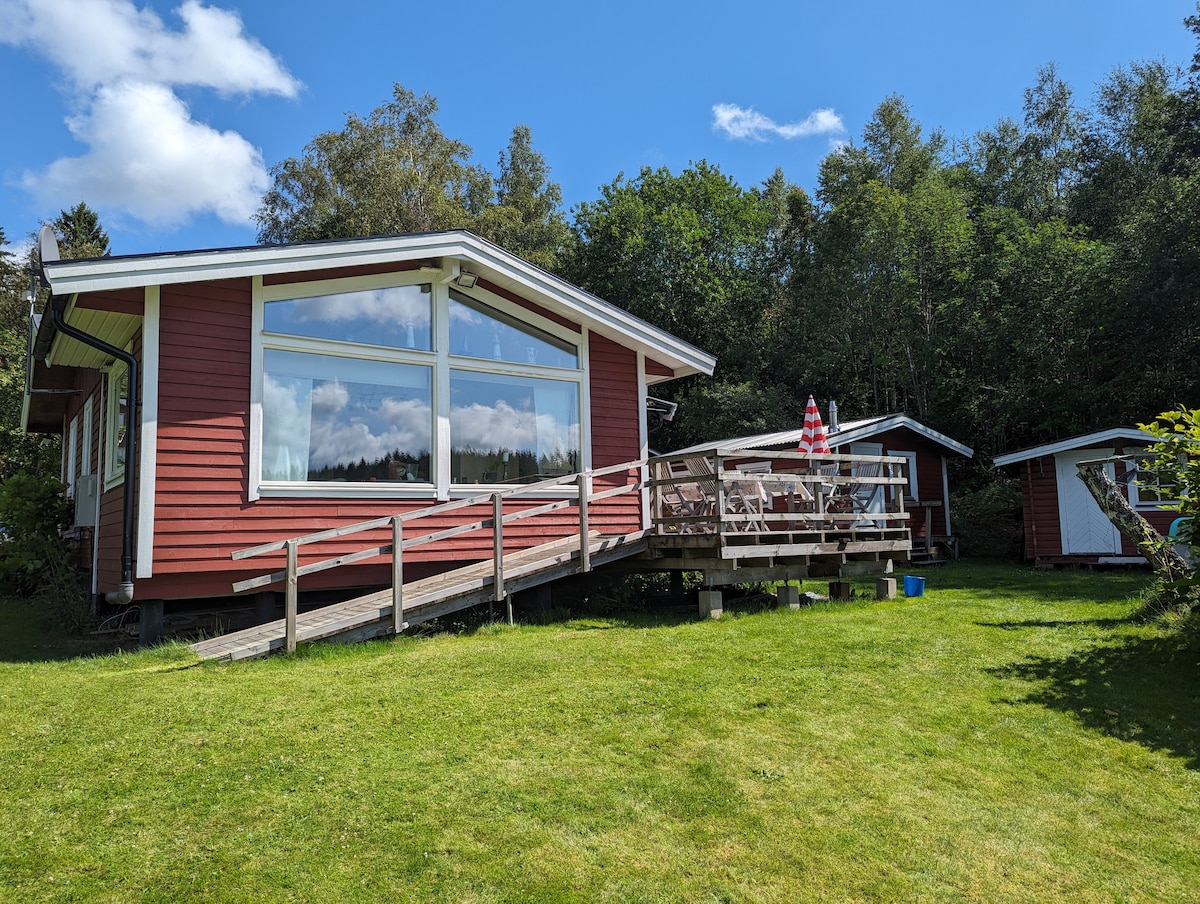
[165, 117]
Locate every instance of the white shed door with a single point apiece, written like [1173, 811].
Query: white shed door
[1085, 527]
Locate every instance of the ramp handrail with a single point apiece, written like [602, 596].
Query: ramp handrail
[293, 570]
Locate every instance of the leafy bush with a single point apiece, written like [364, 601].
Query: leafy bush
[1172, 472]
[35, 561]
[988, 521]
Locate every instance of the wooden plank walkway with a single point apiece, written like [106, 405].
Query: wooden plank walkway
[425, 599]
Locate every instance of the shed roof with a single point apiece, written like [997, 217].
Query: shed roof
[444, 251]
[847, 432]
[1076, 442]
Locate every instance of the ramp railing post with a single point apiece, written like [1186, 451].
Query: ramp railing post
[498, 550]
[290, 604]
[585, 553]
[397, 575]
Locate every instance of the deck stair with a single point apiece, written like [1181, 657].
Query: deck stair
[427, 598]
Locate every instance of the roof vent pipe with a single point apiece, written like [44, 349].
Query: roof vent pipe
[833, 424]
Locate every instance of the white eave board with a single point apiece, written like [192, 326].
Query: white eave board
[849, 432]
[1099, 438]
[482, 257]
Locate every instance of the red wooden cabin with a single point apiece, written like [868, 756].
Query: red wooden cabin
[287, 389]
[1063, 523]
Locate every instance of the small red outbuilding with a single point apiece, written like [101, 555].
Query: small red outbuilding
[1063, 523]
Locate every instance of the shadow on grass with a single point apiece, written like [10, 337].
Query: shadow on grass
[987, 580]
[1058, 623]
[1142, 690]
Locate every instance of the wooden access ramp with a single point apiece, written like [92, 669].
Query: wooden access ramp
[371, 615]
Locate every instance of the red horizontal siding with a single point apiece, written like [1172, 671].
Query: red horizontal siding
[202, 512]
[119, 301]
[657, 369]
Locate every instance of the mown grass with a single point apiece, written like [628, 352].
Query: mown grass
[1011, 736]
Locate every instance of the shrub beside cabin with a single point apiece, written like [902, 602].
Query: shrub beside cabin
[289, 389]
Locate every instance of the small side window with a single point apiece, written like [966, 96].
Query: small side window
[117, 423]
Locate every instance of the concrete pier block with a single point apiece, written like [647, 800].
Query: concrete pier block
[788, 595]
[885, 589]
[840, 590]
[710, 604]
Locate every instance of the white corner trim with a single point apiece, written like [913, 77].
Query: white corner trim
[147, 467]
[256, 378]
[643, 438]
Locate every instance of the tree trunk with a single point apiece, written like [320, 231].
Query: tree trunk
[1149, 542]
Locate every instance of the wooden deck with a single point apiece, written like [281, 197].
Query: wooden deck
[371, 615]
[734, 515]
[746, 514]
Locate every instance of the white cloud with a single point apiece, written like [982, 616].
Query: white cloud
[146, 155]
[749, 124]
[150, 158]
[98, 42]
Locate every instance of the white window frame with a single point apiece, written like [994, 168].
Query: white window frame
[1135, 493]
[113, 476]
[85, 466]
[911, 492]
[439, 359]
[72, 453]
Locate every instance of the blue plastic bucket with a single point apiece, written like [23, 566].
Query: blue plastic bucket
[914, 586]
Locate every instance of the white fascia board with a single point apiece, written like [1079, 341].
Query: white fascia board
[1099, 438]
[495, 264]
[851, 432]
[854, 432]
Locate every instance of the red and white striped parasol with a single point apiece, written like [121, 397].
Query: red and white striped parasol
[813, 441]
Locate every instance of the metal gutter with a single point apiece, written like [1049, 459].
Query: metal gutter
[55, 307]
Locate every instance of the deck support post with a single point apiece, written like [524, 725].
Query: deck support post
[264, 607]
[498, 546]
[585, 490]
[397, 574]
[719, 503]
[710, 604]
[150, 622]
[290, 604]
[788, 595]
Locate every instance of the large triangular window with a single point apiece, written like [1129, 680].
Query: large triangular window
[479, 331]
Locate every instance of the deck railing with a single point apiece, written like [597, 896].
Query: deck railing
[583, 497]
[763, 492]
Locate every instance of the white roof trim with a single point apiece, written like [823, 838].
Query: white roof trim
[490, 261]
[848, 432]
[1100, 437]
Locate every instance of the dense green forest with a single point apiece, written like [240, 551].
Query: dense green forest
[1036, 280]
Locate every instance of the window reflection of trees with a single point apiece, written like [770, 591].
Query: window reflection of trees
[317, 427]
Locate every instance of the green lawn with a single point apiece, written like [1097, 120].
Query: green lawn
[1010, 736]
